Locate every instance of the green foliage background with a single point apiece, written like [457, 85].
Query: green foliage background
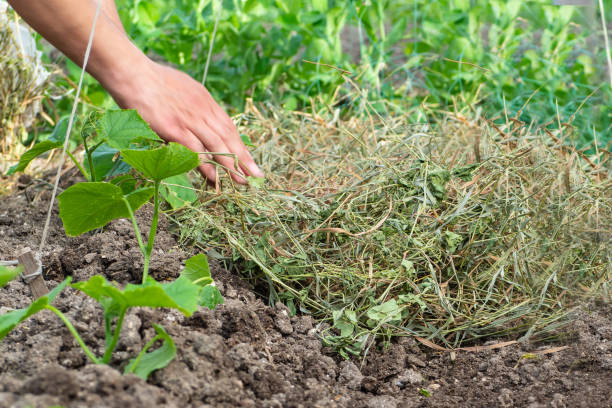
[407, 55]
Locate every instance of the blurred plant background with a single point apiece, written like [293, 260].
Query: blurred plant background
[543, 62]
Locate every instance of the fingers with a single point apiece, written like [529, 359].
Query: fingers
[224, 128]
[207, 170]
[182, 110]
[213, 142]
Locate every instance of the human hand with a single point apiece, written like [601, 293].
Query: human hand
[179, 109]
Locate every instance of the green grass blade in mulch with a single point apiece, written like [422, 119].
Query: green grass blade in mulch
[453, 231]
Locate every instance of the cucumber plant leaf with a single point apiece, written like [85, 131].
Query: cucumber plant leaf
[126, 182]
[34, 152]
[178, 191]
[145, 363]
[9, 320]
[8, 274]
[59, 131]
[197, 270]
[105, 163]
[210, 296]
[180, 294]
[166, 161]
[121, 129]
[87, 206]
[55, 140]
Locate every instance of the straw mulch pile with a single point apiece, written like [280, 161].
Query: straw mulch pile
[450, 231]
[23, 83]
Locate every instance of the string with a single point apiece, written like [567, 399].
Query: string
[70, 123]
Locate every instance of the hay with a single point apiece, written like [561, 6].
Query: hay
[23, 81]
[452, 231]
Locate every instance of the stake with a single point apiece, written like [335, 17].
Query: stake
[32, 273]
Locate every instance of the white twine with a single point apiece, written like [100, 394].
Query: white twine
[66, 140]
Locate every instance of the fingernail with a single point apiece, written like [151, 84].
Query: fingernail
[255, 171]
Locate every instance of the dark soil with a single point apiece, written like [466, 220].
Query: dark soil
[248, 354]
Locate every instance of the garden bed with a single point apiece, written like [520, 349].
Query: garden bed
[245, 353]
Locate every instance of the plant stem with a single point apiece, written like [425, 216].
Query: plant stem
[76, 163]
[135, 225]
[74, 333]
[92, 171]
[152, 231]
[109, 349]
[143, 352]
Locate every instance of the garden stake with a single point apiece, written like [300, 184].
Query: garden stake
[32, 273]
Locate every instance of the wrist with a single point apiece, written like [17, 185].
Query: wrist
[118, 73]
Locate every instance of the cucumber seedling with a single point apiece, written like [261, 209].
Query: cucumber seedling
[86, 206]
[89, 205]
[194, 287]
[102, 138]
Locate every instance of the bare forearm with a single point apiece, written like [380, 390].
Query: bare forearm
[109, 8]
[177, 107]
[67, 23]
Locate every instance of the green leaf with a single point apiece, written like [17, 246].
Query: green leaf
[8, 274]
[408, 267]
[176, 195]
[197, 270]
[410, 298]
[166, 161]
[257, 182]
[345, 321]
[138, 197]
[246, 140]
[87, 206]
[59, 131]
[181, 295]
[127, 182]
[388, 312]
[437, 182]
[121, 129]
[144, 365]
[210, 296]
[105, 164]
[464, 172]
[452, 241]
[320, 5]
[10, 320]
[346, 328]
[34, 152]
